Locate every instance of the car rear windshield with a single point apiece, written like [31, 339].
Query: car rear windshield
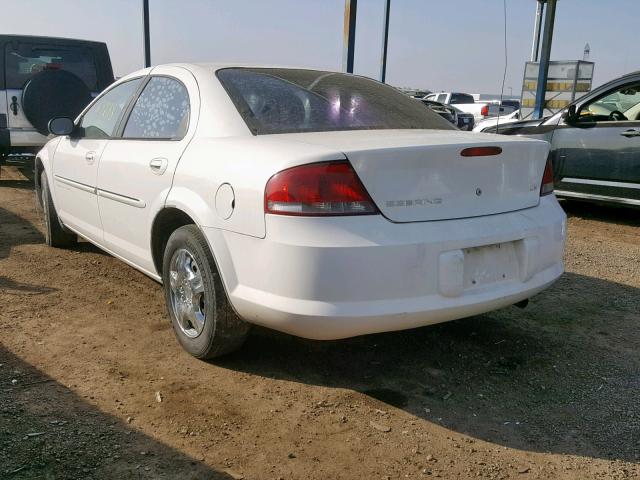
[461, 98]
[23, 62]
[276, 100]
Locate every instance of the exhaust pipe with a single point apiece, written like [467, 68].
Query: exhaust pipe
[522, 303]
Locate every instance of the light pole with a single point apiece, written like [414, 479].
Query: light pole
[535, 48]
[545, 54]
[145, 28]
[349, 34]
[385, 41]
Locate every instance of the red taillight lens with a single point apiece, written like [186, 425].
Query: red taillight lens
[484, 111]
[480, 151]
[547, 179]
[327, 188]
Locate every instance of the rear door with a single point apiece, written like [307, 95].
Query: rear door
[136, 169]
[76, 161]
[598, 154]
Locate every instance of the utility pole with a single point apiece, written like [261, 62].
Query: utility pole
[545, 53]
[349, 35]
[535, 47]
[385, 41]
[145, 28]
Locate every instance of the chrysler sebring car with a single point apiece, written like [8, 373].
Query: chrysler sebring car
[316, 203]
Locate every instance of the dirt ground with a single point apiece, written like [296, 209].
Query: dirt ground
[551, 391]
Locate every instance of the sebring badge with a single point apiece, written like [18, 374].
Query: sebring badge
[418, 202]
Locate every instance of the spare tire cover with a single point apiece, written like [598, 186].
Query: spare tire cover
[53, 93]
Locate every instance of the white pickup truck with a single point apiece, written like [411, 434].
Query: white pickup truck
[466, 103]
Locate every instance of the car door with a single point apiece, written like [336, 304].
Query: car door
[136, 170]
[76, 161]
[597, 152]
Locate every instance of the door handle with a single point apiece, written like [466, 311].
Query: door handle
[90, 157]
[631, 133]
[158, 165]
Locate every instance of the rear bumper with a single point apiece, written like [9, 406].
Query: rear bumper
[340, 277]
[26, 137]
[18, 137]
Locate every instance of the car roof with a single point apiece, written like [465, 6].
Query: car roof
[195, 67]
[45, 39]
[222, 65]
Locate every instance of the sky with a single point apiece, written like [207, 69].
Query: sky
[450, 45]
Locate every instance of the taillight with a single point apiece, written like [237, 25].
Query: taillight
[484, 111]
[480, 151]
[547, 179]
[327, 188]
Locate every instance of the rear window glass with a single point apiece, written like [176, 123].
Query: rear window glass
[461, 98]
[25, 61]
[276, 100]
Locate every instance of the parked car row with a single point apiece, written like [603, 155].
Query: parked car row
[467, 104]
[276, 196]
[464, 121]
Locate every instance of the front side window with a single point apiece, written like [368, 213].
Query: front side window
[622, 104]
[26, 60]
[161, 112]
[278, 100]
[101, 120]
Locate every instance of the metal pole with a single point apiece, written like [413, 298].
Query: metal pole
[147, 39]
[349, 36]
[543, 69]
[535, 48]
[385, 41]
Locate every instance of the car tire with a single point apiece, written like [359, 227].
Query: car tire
[201, 315]
[55, 234]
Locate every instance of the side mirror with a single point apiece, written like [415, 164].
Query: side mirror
[61, 126]
[569, 116]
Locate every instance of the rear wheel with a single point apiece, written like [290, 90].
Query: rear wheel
[202, 318]
[54, 233]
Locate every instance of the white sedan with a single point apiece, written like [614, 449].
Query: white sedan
[320, 204]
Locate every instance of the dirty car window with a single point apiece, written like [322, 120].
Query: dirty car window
[277, 100]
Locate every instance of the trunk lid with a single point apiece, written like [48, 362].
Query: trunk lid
[420, 175]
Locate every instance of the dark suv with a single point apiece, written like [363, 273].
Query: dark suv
[42, 78]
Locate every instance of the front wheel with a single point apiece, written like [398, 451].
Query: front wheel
[202, 318]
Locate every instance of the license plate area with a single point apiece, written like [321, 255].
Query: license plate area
[489, 264]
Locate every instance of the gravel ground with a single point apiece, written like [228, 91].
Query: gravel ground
[94, 385]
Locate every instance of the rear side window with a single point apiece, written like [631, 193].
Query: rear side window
[101, 119]
[278, 100]
[23, 62]
[161, 111]
[461, 98]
